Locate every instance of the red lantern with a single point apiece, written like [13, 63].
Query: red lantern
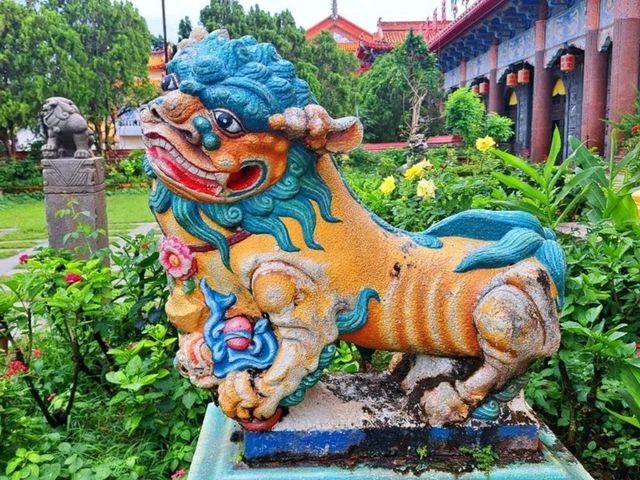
[475, 89]
[568, 62]
[523, 76]
[484, 88]
[512, 80]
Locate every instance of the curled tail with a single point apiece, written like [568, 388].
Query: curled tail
[517, 236]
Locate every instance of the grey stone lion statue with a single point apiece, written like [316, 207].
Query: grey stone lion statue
[66, 129]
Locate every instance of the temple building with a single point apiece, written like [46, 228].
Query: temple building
[368, 46]
[547, 63]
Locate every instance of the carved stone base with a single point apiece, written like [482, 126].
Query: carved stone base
[81, 181]
[353, 427]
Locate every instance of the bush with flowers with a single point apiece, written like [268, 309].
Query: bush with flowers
[88, 389]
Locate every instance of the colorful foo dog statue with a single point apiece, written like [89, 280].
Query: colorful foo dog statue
[272, 259]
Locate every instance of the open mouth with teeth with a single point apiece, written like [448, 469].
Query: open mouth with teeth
[180, 174]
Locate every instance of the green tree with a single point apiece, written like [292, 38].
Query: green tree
[382, 103]
[184, 28]
[157, 42]
[280, 29]
[335, 74]
[227, 14]
[41, 57]
[400, 94]
[419, 70]
[116, 43]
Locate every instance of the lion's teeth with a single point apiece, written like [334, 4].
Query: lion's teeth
[221, 178]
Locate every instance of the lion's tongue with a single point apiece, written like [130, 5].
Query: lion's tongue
[168, 165]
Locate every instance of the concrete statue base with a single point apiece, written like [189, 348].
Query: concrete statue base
[359, 428]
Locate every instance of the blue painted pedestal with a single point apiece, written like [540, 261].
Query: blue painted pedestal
[344, 431]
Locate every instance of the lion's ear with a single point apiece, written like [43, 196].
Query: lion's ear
[315, 127]
[346, 135]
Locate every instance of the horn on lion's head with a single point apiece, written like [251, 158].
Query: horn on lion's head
[315, 127]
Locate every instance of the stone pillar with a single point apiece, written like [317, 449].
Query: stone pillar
[542, 85]
[495, 92]
[463, 72]
[78, 181]
[625, 62]
[594, 96]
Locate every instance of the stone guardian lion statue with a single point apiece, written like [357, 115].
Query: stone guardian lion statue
[66, 129]
[273, 259]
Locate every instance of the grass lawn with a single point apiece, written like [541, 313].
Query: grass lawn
[26, 220]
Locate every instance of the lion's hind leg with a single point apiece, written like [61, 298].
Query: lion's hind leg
[516, 325]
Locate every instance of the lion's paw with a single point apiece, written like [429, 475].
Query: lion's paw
[237, 395]
[443, 405]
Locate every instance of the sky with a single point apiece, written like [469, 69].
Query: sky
[364, 13]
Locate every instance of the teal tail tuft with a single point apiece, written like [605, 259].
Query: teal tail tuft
[518, 235]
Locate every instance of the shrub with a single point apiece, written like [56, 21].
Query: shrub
[92, 392]
[465, 116]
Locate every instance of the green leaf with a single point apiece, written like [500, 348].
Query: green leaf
[578, 179]
[12, 465]
[520, 165]
[525, 188]
[554, 150]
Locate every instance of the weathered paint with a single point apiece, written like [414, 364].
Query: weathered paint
[240, 155]
[218, 457]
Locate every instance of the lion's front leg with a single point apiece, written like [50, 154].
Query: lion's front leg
[303, 322]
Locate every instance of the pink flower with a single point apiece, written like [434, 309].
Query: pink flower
[177, 259]
[50, 397]
[36, 353]
[72, 278]
[24, 258]
[16, 367]
[178, 474]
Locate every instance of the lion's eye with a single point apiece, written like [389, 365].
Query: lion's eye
[227, 122]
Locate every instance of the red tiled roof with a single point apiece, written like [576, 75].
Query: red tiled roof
[415, 25]
[350, 28]
[395, 32]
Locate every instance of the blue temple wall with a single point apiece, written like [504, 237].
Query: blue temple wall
[451, 78]
[478, 67]
[517, 49]
[566, 28]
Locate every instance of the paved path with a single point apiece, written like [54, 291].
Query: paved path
[8, 265]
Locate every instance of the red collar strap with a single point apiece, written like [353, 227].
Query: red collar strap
[231, 240]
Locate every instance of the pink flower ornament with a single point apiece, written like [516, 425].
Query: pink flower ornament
[177, 259]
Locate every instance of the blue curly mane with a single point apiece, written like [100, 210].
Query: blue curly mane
[242, 75]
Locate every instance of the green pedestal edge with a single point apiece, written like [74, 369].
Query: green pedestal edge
[216, 458]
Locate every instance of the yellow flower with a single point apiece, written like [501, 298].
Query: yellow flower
[426, 164]
[485, 143]
[426, 189]
[413, 171]
[388, 185]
